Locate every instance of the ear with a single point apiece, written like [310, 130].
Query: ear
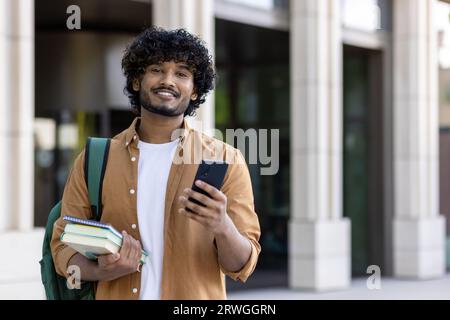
[136, 85]
[194, 96]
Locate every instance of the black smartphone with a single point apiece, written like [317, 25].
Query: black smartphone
[211, 172]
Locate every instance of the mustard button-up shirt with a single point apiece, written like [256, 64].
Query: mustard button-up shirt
[191, 269]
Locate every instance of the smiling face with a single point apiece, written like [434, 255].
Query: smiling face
[166, 88]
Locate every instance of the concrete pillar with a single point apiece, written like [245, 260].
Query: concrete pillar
[319, 236]
[17, 114]
[20, 272]
[419, 230]
[197, 17]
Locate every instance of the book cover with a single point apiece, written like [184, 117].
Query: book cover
[93, 223]
[92, 232]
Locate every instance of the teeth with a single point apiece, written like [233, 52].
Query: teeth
[167, 94]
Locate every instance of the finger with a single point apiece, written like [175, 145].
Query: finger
[205, 200]
[133, 250]
[182, 200]
[125, 250]
[212, 191]
[200, 219]
[186, 203]
[105, 260]
[196, 208]
[138, 252]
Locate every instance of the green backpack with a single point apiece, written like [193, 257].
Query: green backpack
[55, 285]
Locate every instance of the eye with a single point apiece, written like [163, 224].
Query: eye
[155, 70]
[182, 74]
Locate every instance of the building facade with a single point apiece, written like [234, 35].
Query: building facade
[358, 90]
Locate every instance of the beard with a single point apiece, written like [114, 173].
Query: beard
[162, 108]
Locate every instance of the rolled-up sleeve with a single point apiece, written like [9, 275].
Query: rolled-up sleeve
[75, 202]
[237, 187]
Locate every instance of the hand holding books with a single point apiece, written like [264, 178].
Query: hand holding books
[117, 254]
[127, 261]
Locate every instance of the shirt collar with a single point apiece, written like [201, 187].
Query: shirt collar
[132, 136]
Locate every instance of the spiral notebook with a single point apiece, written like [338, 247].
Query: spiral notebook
[93, 223]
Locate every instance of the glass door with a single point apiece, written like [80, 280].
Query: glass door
[362, 145]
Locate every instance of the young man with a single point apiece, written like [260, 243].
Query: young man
[145, 192]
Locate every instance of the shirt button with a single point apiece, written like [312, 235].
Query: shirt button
[132, 191]
[133, 226]
[133, 159]
[126, 143]
[134, 137]
[134, 290]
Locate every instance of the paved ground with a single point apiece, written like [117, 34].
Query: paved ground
[391, 289]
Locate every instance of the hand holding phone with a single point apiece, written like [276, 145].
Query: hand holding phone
[212, 173]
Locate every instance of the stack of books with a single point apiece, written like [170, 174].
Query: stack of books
[92, 238]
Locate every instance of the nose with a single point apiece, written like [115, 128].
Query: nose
[167, 79]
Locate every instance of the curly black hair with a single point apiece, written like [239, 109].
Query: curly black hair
[155, 45]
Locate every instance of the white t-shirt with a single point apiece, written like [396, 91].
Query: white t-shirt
[154, 165]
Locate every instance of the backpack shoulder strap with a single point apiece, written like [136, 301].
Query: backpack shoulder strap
[96, 158]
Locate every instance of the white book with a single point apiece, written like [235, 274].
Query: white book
[92, 241]
[93, 232]
[90, 247]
